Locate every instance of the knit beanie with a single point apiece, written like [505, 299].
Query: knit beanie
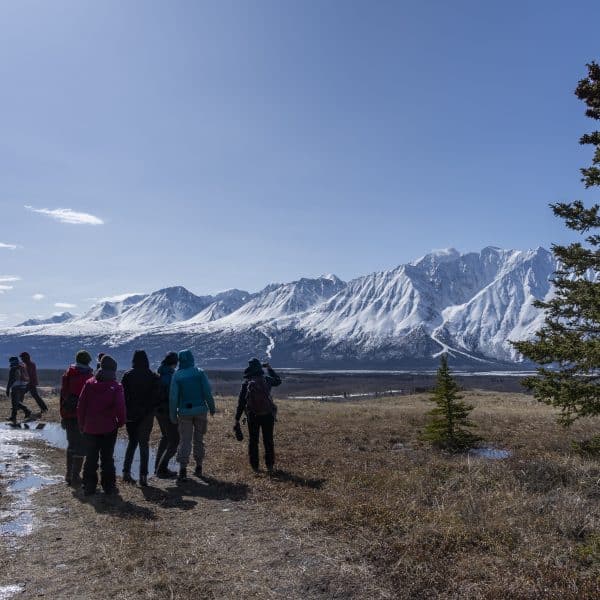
[108, 363]
[13, 361]
[83, 357]
[171, 359]
[254, 368]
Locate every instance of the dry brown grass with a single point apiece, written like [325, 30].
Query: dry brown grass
[361, 509]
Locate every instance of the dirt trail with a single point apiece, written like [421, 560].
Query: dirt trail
[194, 540]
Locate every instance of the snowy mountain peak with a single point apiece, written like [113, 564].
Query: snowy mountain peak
[58, 318]
[470, 305]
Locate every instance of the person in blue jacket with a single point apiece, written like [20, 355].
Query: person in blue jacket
[190, 399]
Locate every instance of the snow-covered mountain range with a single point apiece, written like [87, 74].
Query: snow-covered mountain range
[469, 305]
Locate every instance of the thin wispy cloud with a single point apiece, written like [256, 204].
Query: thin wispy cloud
[5, 288]
[38, 297]
[65, 305]
[8, 246]
[67, 215]
[9, 278]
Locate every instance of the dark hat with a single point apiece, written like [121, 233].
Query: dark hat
[13, 361]
[100, 355]
[254, 368]
[83, 357]
[108, 363]
[25, 356]
[171, 359]
[140, 360]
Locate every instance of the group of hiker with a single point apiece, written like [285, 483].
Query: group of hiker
[94, 405]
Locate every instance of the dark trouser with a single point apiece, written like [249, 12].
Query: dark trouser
[32, 389]
[167, 447]
[75, 440]
[255, 424]
[16, 396]
[138, 432]
[103, 446]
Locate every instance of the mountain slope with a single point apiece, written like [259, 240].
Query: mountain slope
[470, 305]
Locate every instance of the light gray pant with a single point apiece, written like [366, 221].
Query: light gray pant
[191, 428]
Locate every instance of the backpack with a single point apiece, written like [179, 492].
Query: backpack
[258, 397]
[23, 374]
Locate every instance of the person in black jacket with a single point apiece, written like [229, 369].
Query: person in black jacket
[141, 387]
[16, 388]
[255, 400]
[169, 440]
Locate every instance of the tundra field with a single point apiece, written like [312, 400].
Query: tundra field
[360, 508]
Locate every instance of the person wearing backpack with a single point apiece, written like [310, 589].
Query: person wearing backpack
[73, 380]
[256, 401]
[33, 381]
[18, 380]
[141, 387]
[190, 399]
[100, 413]
[169, 440]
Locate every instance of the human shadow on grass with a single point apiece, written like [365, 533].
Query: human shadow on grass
[210, 488]
[299, 480]
[115, 505]
[167, 499]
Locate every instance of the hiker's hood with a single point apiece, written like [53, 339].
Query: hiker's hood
[186, 359]
[140, 360]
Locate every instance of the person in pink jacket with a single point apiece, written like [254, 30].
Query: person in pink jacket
[100, 413]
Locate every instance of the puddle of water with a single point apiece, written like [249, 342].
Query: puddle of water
[54, 435]
[490, 453]
[7, 591]
[25, 472]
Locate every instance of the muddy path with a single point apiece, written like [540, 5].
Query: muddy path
[214, 539]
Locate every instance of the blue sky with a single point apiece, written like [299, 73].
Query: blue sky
[232, 144]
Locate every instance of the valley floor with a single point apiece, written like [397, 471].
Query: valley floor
[360, 509]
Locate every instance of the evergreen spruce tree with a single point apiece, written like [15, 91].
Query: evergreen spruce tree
[568, 345]
[449, 420]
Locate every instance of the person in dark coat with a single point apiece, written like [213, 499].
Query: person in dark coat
[141, 386]
[33, 380]
[73, 380]
[100, 413]
[169, 440]
[256, 401]
[16, 387]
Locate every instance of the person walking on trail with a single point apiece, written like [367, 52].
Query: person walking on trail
[141, 387]
[100, 413]
[18, 380]
[256, 401]
[190, 399]
[169, 440]
[73, 380]
[33, 381]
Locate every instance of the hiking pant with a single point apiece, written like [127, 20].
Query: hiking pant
[75, 441]
[255, 424]
[32, 389]
[16, 397]
[167, 447]
[191, 428]
[103, 446]
[138, 432]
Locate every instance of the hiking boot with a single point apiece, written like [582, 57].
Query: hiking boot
[166, 474]
[29, 417]
[198, 471]
[127, 478]
[182, 474]
[144, 480]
